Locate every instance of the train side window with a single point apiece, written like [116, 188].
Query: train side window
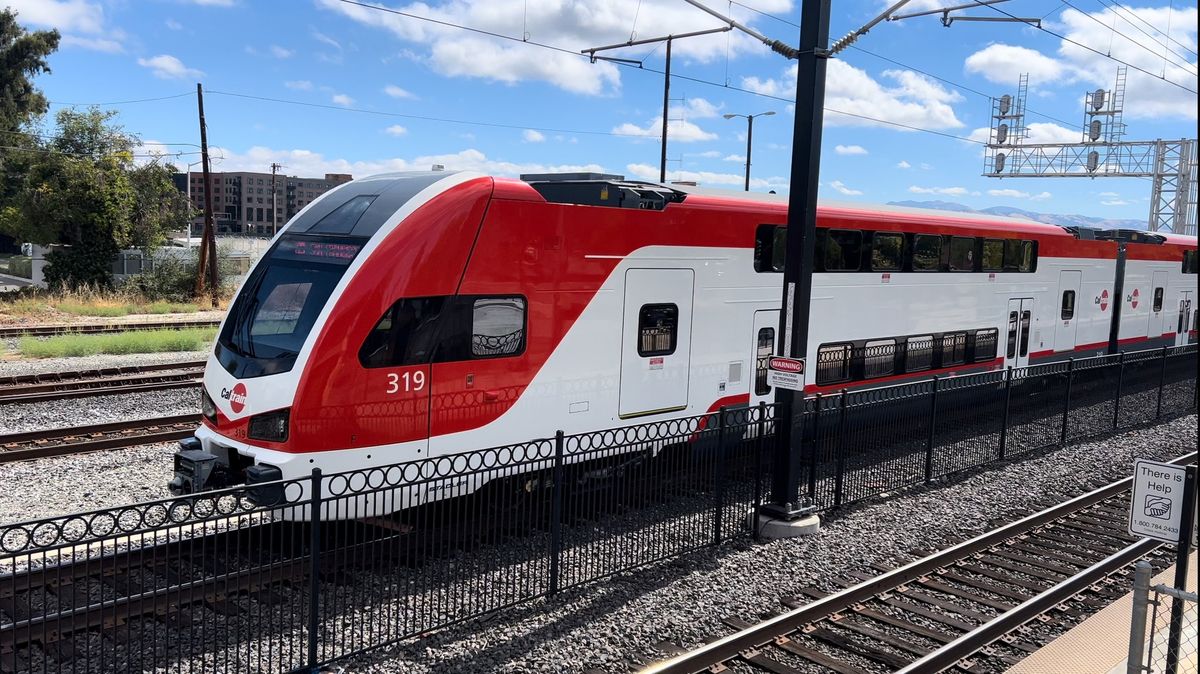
[1068, 305]
[406, 334]
[962, 253]
[1025, 320]
[879, 358]
[1012, 254]
[842, 250]
[1012, 334]
[926, 252]
[1158, 299]
[1189, 262]
[497, 326]
[658, 325]
[770, 247]
[833, 363]
[887, 251]
[985, 344]
[766, 344]
[918, 353]
[993, 255]
[954, 348]
[1028, 257]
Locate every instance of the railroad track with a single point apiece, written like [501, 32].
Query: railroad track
[104, 381]
[966, 608]
[95, 437]
[96, 328]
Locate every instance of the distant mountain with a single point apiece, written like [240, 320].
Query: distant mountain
[1012, 212]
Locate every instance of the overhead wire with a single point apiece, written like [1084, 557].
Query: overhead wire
[135, 100]
[93, 155]
[1185, 66]
[1130, 12]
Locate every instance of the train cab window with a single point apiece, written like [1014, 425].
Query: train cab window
[405, 335]
[962, 253]
[926, 252]
[658, 325]
[497, 326]
[770, 247]
[1158, 299]
[343, 218]
[879, 358]
[954, 348]
[418, 330]
[887, 251]
[842, 249]
[766, 345]
[1068, 305]
[833, 363]
[993, 255]
[918, 353]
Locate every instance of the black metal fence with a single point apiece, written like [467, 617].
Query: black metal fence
[291, 575]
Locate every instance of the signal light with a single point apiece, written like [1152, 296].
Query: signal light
[272, 426]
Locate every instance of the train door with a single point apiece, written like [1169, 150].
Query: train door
[1158, 307]
[656, 341]
[763, 341]
[1067, 325]
[1017, 326]
[1183, 321]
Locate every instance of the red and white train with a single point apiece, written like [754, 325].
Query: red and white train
[413, 315]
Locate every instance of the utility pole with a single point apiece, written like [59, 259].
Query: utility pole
[208, 242]
[274, 202]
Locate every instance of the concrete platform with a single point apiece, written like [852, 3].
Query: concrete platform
[771, 528]
[1100, 644]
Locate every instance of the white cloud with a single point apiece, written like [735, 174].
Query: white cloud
[707, 154]
[572, 25]
[65, 15]
[326, 40]
[850, 149]
[213, 3]
[903, 164]
[1115, 202]
[173, 24]
[739, 158]
[531, 136]
[396, 92]
[342, 99]
[710, 178]
[841, 188]
[679, 128]
[1108, 194]
[1018, 194]
[948, 191]
[299, 85]
[395, 130]
[280, 53]
[996, 61]
[168, 67]
[93, 43]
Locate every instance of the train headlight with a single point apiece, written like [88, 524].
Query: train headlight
[272, 426]
[207, 407]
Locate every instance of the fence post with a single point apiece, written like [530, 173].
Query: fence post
[839, 479]
[932, 430]
[1120, 385]
[1183, 548]
[719, 474]
[556, 499]
[1162, 382]
[1062, 438]
[814, 448]
[314, 572]
[1008, 373]
[1137, 626]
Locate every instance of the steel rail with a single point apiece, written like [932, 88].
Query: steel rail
[68, 377]
[97, 328]
[762, 634]
[84, 388]
[78, 439]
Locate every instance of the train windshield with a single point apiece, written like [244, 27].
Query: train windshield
[276, 309]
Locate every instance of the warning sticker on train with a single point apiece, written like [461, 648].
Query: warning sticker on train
[786, 372]
[1157, 499]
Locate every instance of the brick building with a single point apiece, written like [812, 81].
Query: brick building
[242, 200]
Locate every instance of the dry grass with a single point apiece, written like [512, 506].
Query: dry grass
[40, 305]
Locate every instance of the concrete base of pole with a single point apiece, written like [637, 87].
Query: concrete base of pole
[772, 528]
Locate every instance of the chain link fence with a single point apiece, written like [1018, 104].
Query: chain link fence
[1165, 633]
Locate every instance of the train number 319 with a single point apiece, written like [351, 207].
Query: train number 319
[407, 381]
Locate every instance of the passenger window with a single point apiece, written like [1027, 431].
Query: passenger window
[993, 255]
[962, 253]
[833, 363]
[766, 345]
[1013, 252]
[1158, 299]
[1012, 334]
[985, 344]
[497, 326]
[926, 252]
[770, 248]
[887, 251]
[954, 348]
[843, 250]
[918, 353]
[657, 328]
[879, 358]
[1025, 333]
[1068, 305]
[1028, 256]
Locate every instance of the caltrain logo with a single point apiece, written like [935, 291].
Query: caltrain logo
[1133, 299]
[236, 397]
[1102, 300]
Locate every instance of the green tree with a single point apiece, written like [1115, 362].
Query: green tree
[22, 57]
[159, 206]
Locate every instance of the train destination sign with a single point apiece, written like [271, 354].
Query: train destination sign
[786, 372]
[1157, 500]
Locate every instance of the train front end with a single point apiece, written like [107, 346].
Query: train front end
[283, 389]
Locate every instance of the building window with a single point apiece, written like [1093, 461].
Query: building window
[926, 252]
[918, 353]
[658, 325]
[842, 249]
[993, 255]
[258, 213]
[833, 363]
[887, 251]
[962, 253]
[954, 348]
[985, 344]
[766, 345]
[1158, 299]
[879, 358]
[1068, 305]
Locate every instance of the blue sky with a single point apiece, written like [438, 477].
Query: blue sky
[373, 91]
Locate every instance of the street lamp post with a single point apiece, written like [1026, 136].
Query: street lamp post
[749, 137]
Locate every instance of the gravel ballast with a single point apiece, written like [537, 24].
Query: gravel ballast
[18, 418]
[13, 368]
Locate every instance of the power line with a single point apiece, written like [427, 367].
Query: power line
[1064, 38]
[1151, 26]
[53, 138]
[1156, 55]
[92, 155]
[766, 14]
[135, 100]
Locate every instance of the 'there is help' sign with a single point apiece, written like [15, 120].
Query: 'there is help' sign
[1158, 500]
